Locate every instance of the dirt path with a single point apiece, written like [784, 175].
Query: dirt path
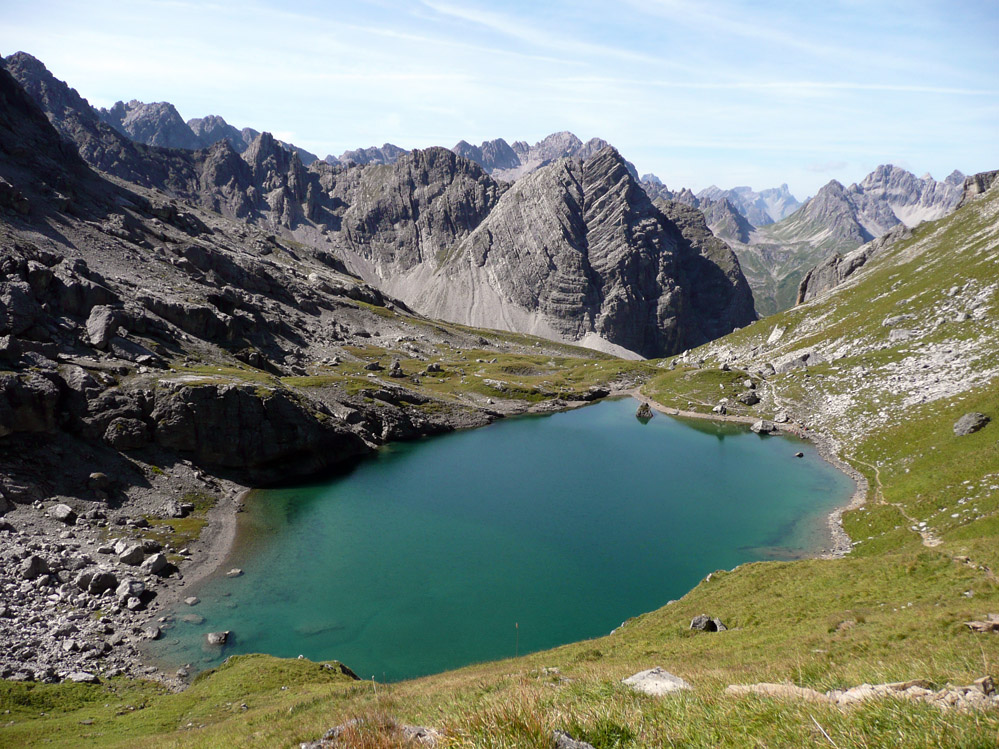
[930, 539]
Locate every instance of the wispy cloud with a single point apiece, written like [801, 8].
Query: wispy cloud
[698, 92]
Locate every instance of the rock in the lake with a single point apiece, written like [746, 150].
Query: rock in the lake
[152, 632]
[192, 600]
[218, 638]
[644, 411]
[234, 572]
[970, 423]
[656, 681]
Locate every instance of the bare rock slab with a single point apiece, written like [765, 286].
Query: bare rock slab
[970, 423]
[656, 681]
[777, 690]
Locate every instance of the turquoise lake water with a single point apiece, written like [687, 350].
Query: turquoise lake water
[527, 534]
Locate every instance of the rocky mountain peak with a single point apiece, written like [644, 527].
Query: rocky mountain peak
[155, 124]
[55, 97]
[913, 199]
[387, 154]
[955, 178]
[212, 128]
[759, 208]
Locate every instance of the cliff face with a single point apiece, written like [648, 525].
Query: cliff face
[576, 250]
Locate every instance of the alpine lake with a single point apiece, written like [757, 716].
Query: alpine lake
[530, 533]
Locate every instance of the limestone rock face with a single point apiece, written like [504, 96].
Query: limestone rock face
[411, 213]
[576, 250]
[577, 253]
[232, 426]
[155, 124]
[913, 199]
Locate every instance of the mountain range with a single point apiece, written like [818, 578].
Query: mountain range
[776, 238]
[776, 254]
[576, 251]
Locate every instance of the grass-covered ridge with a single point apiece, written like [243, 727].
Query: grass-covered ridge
[923, 561]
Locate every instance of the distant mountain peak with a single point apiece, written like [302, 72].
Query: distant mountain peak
[510, 162]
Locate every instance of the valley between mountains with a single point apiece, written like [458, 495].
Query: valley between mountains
[188, 310]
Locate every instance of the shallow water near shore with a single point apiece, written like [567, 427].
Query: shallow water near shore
[527, 534]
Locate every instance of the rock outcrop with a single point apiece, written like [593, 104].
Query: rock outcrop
[977, 185]
[835, 269]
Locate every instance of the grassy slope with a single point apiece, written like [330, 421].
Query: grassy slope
[891, 610]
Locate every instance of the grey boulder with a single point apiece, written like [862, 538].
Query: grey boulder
[970, 423]
[656, 682]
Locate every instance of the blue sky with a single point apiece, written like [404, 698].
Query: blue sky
[724, 92]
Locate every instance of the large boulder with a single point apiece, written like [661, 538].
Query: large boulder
[18, 308]
[63, 513]
[970, 423]
[705, 623]
[102, 325]
[126, 434]
[100, 581]
[28, 403]
[34, 566]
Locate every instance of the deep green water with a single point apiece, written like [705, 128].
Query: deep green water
[527, 534]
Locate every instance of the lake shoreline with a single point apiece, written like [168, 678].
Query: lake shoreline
[839, 540]
[218, 540]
